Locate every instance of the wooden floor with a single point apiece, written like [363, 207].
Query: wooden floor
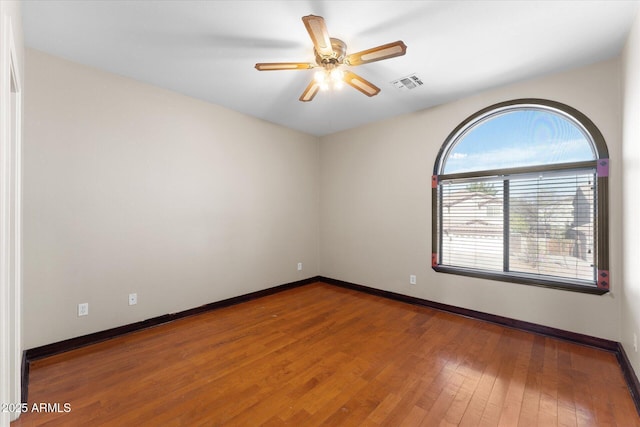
[323, 355]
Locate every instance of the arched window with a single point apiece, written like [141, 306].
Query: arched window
[520, 194]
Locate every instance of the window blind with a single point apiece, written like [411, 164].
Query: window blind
[528, 224]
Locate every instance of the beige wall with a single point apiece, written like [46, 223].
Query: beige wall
[376, 206]
[631, 202]
[131, 188]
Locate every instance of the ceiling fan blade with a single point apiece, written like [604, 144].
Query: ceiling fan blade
[310, 91]
[270, 66]
[361, 84]
[319, 35]
[379, 53]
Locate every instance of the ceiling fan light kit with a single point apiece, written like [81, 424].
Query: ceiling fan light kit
[331, 57]
[329, 77]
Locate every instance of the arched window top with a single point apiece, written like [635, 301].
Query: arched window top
[520, 133]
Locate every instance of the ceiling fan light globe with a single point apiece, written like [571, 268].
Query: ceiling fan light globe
[320, 77]
[337, 75]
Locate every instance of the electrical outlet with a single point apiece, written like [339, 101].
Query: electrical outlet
[635, 342]
[299, 266]
[133, 299]
[83, 309]
[412, 279]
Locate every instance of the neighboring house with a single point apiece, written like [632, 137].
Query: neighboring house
[558, 228]
[581, 231]
[472, 213]
[474, 220]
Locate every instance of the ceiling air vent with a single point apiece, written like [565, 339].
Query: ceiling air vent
[407, 83]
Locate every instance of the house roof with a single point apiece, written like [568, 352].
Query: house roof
[481, 199]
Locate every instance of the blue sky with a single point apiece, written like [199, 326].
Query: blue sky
[519, 138]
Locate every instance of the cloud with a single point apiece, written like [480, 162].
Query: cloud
[518, 155]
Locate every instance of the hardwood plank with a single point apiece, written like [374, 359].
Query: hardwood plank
[530, 407]
[510, 412]
[384, 408]
[413, 418]
[548, 414]
[323, 355]
[478, 402]
[567, 415]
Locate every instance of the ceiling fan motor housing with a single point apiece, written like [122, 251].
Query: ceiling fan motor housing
[337, 57]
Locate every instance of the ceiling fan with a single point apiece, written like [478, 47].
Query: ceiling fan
[331, 55]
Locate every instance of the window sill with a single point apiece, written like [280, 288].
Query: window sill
[523, 280]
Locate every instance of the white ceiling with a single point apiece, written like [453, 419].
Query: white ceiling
[208, 49]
